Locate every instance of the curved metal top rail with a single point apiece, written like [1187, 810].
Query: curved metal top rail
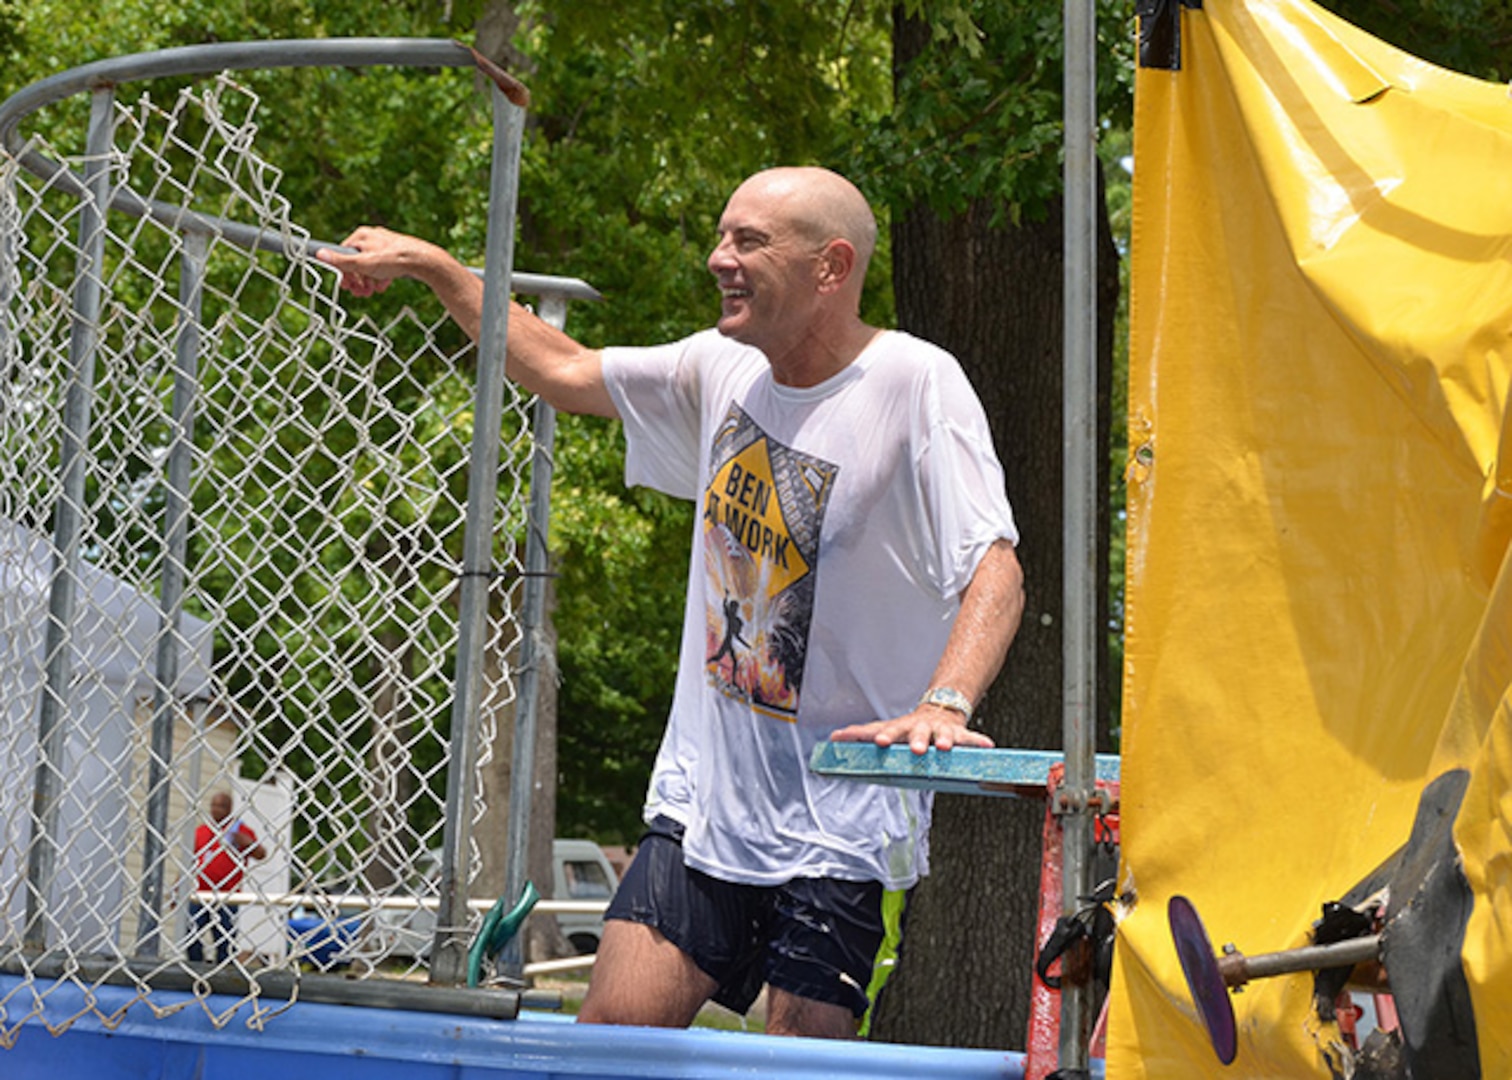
[243, 56]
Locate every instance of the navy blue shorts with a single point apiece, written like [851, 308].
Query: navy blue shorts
[813, 937]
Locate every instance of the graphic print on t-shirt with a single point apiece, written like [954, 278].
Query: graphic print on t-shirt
[763, 509]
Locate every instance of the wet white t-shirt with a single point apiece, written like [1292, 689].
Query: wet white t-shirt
[839, 523]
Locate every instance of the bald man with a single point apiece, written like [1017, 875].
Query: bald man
[855, 525]
[223, 846]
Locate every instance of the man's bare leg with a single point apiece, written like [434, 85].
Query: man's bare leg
[789, 1014]
[642, 978]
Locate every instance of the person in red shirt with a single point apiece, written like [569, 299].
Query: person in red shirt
[223, 847]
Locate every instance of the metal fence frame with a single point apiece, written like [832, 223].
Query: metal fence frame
[97, 200]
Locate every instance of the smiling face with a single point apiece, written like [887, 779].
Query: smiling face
[790, 263]
[767, 263]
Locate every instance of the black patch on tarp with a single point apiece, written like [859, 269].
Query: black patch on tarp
[1381, 1057]
[1339, 923]
[1426, 917]
[1428, 908]
[1160, 32]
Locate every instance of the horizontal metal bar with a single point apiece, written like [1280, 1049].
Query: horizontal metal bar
[556, 967]
[385, 903]
[1238, 969]
[325, 989]
[547, 286]
[964, 770]
[543, 285]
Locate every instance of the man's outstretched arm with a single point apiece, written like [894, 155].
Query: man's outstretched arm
[540, 357]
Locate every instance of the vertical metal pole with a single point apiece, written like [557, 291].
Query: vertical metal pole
[10, 253]
[450, 945]
[1080, 481]
[41, 863]
[171, 592]
[535, 659]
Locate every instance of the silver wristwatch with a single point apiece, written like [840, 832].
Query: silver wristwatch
[947, 697]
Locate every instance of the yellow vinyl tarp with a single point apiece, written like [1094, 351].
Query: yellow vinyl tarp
[1319, 599]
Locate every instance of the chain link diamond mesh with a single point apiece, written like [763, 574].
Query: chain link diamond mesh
[264, 580]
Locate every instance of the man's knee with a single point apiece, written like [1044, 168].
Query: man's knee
[642, 978]
[789, 1014]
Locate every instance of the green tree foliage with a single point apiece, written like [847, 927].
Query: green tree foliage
[978, 116]
[1473, 37]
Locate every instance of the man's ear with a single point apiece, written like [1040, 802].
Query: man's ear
[836, 262]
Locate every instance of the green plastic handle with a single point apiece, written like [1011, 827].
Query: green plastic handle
[497, 930]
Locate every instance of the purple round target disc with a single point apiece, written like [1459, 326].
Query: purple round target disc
[1200, 966]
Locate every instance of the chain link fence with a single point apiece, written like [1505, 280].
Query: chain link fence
[233, 532]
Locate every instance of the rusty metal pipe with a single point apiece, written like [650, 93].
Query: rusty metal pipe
[1238, 969]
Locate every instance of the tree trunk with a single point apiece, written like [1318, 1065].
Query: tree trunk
[993, 297]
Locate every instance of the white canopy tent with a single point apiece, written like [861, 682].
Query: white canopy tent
[107, 707]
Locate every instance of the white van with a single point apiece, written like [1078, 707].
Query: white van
[581, 871]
